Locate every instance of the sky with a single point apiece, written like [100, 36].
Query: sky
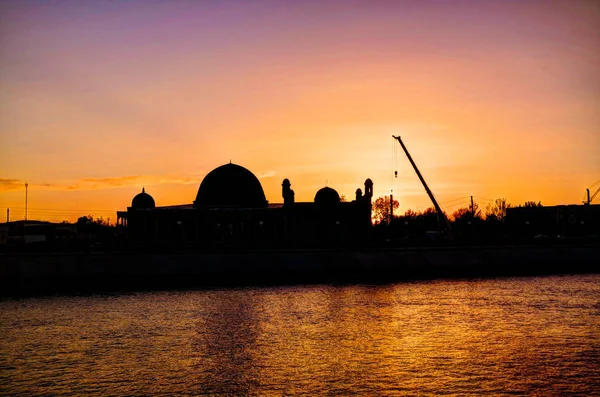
[101, 98]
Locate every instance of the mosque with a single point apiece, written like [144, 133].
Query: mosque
[231, 210]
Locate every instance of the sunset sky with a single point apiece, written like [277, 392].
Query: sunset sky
[492, 98]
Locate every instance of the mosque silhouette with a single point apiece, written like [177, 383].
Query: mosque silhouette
[231, 210]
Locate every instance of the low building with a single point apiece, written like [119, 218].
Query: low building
[563, 220]
[231, 210]
[33, 232]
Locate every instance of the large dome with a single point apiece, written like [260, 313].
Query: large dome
[142, 201]
[327, 196]
[230, 185]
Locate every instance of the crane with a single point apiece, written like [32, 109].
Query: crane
[438, 209]
[590, 198]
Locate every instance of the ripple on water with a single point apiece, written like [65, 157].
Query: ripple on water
[484, 337]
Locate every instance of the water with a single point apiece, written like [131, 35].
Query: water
[527, 336]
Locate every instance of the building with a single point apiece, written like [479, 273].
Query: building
[563, 220]
[39, 233]
[231, 210]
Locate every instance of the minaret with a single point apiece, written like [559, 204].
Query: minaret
[287, 192]
[359, 195]
[369, 189]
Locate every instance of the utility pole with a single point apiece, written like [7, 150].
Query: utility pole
[391, 206]
[472, 208]
[26, 186]
[7, 215]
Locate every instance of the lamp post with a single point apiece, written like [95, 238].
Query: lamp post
[26, 186]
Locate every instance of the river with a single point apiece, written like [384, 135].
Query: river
[512, 336]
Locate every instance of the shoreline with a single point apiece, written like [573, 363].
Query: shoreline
[51, 273]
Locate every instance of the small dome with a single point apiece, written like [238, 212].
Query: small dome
[230, 185]
[327, 196]
[142, 201]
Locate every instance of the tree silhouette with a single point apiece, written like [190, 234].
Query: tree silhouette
[466, 213]
[532, 204]
[496, 210]
[89, 220]
[461, 213]
[410, 215]
[381, 209]
[429, 218]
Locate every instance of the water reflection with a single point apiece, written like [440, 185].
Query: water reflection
[485, 337]
[224, 344]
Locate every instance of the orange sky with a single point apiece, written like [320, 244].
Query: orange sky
[493, 99]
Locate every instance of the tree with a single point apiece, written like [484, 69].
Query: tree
[430, 219]
[381, 209]
[466, 213]
[89, 220]
[88, 224]
[410, 214]
[461, 214]
[342, 199]
[85, 220]
[532, 204]
[429, 212]
[496, 210]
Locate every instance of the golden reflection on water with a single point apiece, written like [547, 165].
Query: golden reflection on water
[530, 336]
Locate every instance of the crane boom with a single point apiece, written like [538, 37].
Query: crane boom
[437, 207]
[594, 195]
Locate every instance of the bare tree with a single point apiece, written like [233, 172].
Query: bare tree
[497, 209]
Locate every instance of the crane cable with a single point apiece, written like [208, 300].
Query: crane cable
[395, 146]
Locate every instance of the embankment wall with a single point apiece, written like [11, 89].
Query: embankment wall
[93, 272]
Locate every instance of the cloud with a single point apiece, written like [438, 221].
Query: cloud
[11, 184]
[95, 183]
[18, 184]
[178, 180]
[129, 180]
[267, 174]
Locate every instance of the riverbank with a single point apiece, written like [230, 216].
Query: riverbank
[95, 272]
